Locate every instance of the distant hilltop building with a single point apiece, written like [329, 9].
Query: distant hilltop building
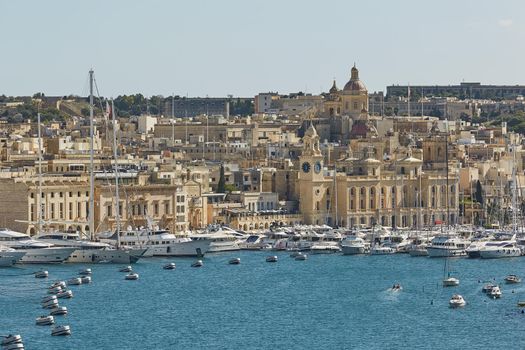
[471, 90]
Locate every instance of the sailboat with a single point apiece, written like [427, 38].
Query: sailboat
[448, 280]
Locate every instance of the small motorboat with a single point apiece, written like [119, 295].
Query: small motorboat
[301, 257]
[126, 269]
[85, 272]
[66, 294]
[58, 310]
[48, 298]
[170, 266]
[55, 290]
[61, 330]
[271, 258]
[75, 281]
[85, 279]
[512, 279]
[45, 320]
[234, 261]
[61, 284]
[197, 263]
[521, 303]
[450, 282]
[132, 276]
[456, 301]
[15, 346]
[396, 288]
[50, 304]
[487, 288]
[495, 292]
[42, 274]
[11, 339]
[295, 253]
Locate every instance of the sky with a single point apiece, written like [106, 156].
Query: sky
[240, 47]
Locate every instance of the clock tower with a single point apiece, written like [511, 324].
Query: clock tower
[313, 187]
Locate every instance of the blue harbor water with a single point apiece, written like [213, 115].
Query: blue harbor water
[327, 301]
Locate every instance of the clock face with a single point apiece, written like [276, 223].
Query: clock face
[317, 167]
[306, 167]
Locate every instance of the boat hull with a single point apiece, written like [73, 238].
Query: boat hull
[500, 253]
[113, 256]
[353, 250]
[10, 258]
[45, 255]
[190, 248]
[445, 253]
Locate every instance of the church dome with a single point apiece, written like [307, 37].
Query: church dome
[354, 84]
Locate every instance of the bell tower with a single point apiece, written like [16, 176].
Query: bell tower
[311, 159]
[314, 195]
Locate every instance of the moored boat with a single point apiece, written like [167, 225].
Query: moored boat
[456, 301]
[61, 330]
[45, 320]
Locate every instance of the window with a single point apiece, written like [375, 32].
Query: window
[109, 213]
[355, 105]
[156, 208]
[61, 210]
[167, 207]
[70, 211]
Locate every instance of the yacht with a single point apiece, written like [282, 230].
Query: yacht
[447, 246]
[219, 242]
[325, 248]
[253, 242]
[90, 252]
[9, 256]
[159, 242]
[353, 245]
[45, 320]
[450, 282]
[381, 250]
[36, 252]
[501, 249]
[456, 301]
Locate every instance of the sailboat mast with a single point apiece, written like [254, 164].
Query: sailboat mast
[39, 199]
[446, 167]
[115, 158]
[91, 150]
[335, 195]
[514, 190]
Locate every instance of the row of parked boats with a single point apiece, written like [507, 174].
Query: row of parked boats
[133, 244]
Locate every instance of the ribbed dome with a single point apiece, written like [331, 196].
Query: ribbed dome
[354, 84]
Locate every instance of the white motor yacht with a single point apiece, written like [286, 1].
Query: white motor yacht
[132, 276]
[91, 252]
[219, 242]
[456, 301]
[447, 246]
[9, 256]
[353, 245]
[381, 250]
[36, 252]
[500, 249]
[160, 242]
[253, 242]
[324, 248]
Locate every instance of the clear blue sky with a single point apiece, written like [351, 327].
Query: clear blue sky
[244, 47]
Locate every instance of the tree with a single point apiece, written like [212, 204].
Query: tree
[221, 185]
[479, 193]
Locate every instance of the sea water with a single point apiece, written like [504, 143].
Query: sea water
[325, 302]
